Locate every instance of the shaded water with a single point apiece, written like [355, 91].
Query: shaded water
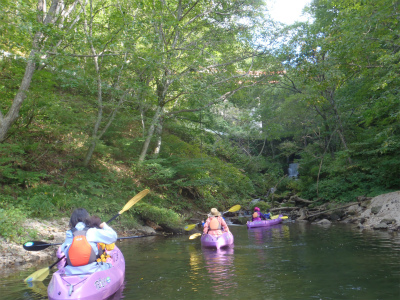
[286, 261]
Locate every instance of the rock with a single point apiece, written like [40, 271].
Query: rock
[146, 230]
[388, 221]
[376, 209]
[380, 226]
[354, 209]
[383, 208]
[323, 222]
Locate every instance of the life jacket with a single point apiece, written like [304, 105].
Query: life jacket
[255, 215]
[214, 224]
[80, 252]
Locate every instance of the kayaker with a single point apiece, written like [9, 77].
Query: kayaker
[257, 215]
[81, 246]
[215, 224]
[268, 215]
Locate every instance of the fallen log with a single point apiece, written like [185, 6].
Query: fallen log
[283, 209]
[301, 200]
[325, 211]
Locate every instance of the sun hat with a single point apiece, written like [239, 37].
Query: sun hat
[256, 209]
[214, 212]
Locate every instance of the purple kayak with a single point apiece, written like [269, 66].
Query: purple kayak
[97, 286]
[226, 239]
[264, 223]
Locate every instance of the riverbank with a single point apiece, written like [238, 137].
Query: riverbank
[378, 213]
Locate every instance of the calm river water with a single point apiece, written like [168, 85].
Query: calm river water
[284, 262]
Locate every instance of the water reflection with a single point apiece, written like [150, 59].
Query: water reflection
[118, 294]
[195, 268]
[221, 270]
[266, 235]
[38, 287]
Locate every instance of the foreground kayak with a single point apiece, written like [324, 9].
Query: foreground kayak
[97, 286]
[226, 239]
[264, 223]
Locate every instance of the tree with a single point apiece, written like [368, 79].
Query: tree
[59, 18]
[194, 47]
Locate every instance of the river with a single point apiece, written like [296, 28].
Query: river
[283, 262]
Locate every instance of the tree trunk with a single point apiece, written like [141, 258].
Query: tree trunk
[159, 138]
[13, 113]
[150, 133]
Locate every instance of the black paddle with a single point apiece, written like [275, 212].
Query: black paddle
[39, 245]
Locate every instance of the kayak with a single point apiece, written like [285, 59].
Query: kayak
[96, 286]
[264, 223]
[211, 241]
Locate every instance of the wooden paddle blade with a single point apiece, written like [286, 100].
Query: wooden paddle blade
[190, 227]
[195, 235]
[39, 275]
[134, 200]
[234, 208]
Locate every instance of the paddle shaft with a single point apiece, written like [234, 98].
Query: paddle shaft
[134, 236]
[45, 246]
[113, 218]
[60, 259]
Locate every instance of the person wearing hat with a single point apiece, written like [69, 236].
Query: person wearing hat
[257, 215]
[215, 224]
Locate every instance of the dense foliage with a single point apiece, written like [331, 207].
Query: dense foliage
[205, 103]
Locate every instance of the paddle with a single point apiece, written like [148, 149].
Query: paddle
[130, 203]
[195, 235]
[232, 209]
[277, 216]
[41, 274]
[39, 245]
[134, 236]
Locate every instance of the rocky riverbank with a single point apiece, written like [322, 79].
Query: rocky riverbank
[380, 213]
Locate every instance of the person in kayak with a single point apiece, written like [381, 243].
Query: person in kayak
[215, 224]
[257, 215]
[267, 215]
[81, 246]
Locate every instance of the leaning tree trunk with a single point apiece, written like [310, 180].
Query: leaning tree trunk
[150, 133]
[12, 115]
